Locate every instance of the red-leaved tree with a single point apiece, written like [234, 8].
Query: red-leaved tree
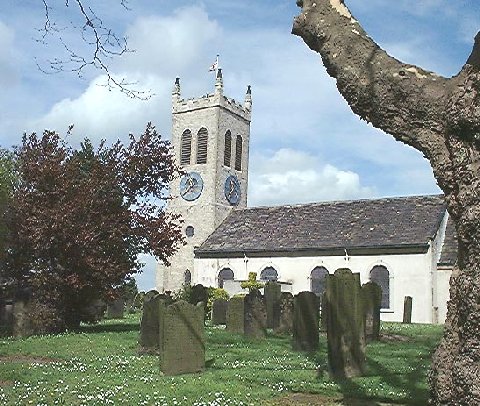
[79, 219]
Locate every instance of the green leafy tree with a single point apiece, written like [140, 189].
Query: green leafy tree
[79, 219]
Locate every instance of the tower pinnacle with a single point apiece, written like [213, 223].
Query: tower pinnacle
[219, 82]
[248, 98]
[176, 90]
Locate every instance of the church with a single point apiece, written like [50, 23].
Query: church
[405, 244]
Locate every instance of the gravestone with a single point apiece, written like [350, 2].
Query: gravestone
[272, 292]
[149, 325]
[305, 322]
[323, 312]
[255, 315]
[219, 312]
[6, 318]
[285, 325]
[199, 293]
[345, 324]
[182, 338]
[407, 309]
[372, 300]
[236, 315]
[116, 309]
[22, 323]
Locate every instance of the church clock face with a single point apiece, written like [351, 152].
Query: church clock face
[232, 190]
[191, 186]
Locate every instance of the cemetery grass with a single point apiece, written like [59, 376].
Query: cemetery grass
[100, 365]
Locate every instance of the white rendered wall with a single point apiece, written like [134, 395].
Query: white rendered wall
[410, 275]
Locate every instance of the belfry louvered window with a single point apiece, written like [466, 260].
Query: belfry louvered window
[227, 157]
[186, 148]
[202, 143]
[238, 153]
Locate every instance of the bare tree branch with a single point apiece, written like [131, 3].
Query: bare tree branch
[104, 45]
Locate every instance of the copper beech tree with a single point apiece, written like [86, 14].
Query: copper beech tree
[441, 118]
[79, 218]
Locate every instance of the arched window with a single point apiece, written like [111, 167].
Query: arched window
[318, 280]
[379, 274]
[227, 157]
[202, 143]
[187, 277]
[186, 148]
[226, 274]
[238, 153]
[269, 274]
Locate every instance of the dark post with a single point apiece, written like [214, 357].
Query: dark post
[407, 309]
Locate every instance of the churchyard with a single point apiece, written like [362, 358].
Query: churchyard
[101, 365]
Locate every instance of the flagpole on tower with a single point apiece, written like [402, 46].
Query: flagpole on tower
[214, 66]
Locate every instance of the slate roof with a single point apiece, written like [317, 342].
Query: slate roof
[448, 256]
[389, 223]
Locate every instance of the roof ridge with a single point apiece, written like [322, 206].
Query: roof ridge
[329, 202]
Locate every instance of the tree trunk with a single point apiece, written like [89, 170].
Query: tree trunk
[441, 118]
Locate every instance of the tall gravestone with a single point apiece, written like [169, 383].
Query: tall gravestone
[372, 300]
[149, 325]
[182, 338]
[272, 292]
[255, 315]
[6, 318]
[305, 322]
[219, 312]
[285, 325]
[407, 309]
[235, 315]
[115, 309]
[345, 324]
[21, 313]
[323, 312]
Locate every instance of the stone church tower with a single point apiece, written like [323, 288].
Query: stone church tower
[210, 136]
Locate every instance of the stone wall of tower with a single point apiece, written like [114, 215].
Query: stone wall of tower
[217, 114]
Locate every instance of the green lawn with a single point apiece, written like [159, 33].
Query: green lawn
[100, 366]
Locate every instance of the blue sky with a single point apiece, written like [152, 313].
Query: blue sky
[306, 144]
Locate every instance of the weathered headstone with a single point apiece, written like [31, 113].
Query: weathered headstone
[182, 338]
[255, 316]
[372, 300]
[305, 322]
[198, 294]
[219, 312]
[95, 310]
[285, 325]
[116, 309]
[272, 292]
[6, 318]
[407, 309]
[323, 312]
[345, 324]
[149, 325]
[22, 323]
[236, 315]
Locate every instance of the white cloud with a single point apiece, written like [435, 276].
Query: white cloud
[169, 45]
[290, 176]
[102, 114]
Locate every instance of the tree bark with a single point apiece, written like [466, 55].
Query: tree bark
[441, 118]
